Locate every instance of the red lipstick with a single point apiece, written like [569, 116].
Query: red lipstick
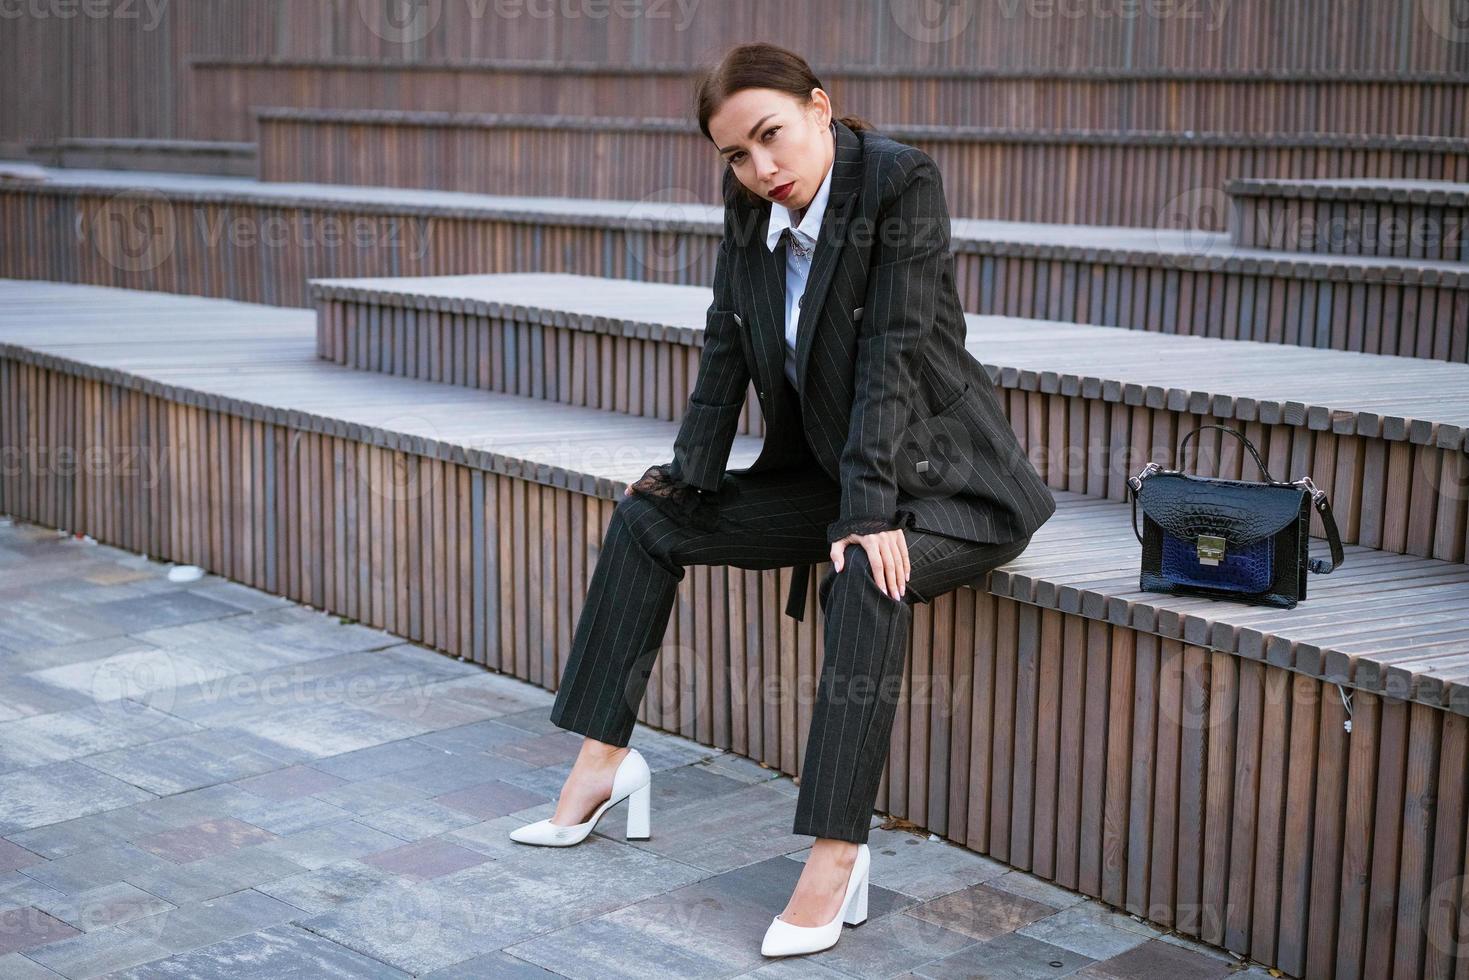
[780, 193]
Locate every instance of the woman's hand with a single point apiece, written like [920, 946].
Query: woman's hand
[887, 553]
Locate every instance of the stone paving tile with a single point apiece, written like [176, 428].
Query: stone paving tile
[710, 927]
[183, 762]
[426, 860]
[46, 794]
[738, 767]
[794, 968]
[290, 782]
[107, 905]
[914, 865]
[64, 654]
[1008, 957]
[327, 887]
[328, 843]
[478, 736]
[432, 712]
[85, 870]
[1159, 961]
[212, 877]
[731, 830]
[291, 816]
[267, 954]
[18, 890]
[205, 839]
[541, 750]
[501, 966]
[64, 735]
[1091, 929]
[494, 799]
[887, 945]
[14, 856]
[418, 928]
[22, 695]
[314, 731]
[201, 923]
[1036, 889]
[163, 609]
[981, 912]
[96, 953]
[18, 966]
[341, 801]
[28, 927]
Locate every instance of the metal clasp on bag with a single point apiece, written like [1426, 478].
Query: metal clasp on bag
[1210, 549]
[1316, 492]
[1136, 482]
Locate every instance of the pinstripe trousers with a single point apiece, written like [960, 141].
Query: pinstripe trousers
[767, 520]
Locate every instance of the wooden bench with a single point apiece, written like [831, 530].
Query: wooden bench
[1385, 436]
[1427, 219]
[1188, 760]
[245, 240]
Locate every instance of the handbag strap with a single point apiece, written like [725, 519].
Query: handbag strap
[1323, 507]
[1178, 453]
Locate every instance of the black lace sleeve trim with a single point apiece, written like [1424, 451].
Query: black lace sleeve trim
[867, 525]
[677, 498]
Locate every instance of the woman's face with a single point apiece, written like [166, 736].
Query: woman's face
[777, 148]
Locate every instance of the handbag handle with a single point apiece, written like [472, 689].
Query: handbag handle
[1178, 453]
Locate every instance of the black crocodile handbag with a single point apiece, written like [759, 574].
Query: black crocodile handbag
[1228, 539]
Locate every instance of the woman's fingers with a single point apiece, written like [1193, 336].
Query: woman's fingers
[894, 565]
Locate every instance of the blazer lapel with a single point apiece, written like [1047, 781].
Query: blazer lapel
[845, 179]
[768, 271]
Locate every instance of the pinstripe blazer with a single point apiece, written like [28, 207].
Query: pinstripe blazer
[890, 403]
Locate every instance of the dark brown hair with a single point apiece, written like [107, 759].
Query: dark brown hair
[758, 64]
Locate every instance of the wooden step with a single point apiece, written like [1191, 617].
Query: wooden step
[223, 92]
[257, 242]
[1127, 178]
[1388, 218]
[1385, 436]
[1141, 748]
[219, 157]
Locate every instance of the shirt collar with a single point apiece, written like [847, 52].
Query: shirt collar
[810, 226]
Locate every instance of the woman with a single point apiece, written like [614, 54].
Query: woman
[886, 451]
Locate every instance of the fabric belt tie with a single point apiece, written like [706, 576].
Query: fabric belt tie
[796, 596]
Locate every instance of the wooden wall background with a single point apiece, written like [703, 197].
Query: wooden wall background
[150, 50]
[225, 91]
[1146, 180]
[1216, 794]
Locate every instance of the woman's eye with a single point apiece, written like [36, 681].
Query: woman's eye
[736, 156]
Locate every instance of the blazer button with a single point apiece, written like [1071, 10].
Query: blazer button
[922, 466]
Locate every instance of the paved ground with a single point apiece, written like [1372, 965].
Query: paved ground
[203, 780]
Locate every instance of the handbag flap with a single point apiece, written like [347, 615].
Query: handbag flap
[1236, 510]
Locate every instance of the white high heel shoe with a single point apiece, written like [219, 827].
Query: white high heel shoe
[783, 938]
[633, 781]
